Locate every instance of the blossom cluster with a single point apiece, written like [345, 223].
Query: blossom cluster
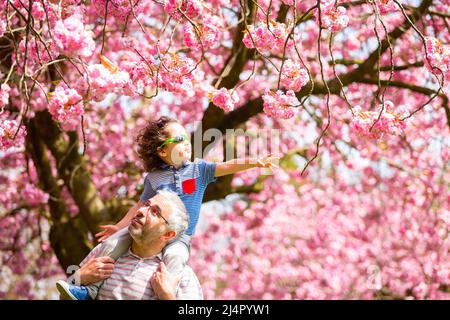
[8, 129]
[334, 18]
[66, 106]
[389, 122]
[438, 55]
[191, 8]
[119, 9]
[71, 37]
[205, 37]
[37, 8]
[386, 6]
[4, 94]
[33, 196]
[224, 99]
[176, 73]
[293, 76]
[267, 38]
[105, 78]
[279, 104]
[142, 75]
[38, 53]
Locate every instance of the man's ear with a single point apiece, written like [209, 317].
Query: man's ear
[168, 235]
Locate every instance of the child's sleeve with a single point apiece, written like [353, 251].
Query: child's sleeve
[207, 170]
[148, 190]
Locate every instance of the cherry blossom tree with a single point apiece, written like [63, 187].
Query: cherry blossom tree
[357, 89]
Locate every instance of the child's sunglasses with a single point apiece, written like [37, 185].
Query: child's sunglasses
[176, 139]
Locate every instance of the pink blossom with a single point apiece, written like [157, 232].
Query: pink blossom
[389, 122]
[8, 129]
[191, 8]
[224, 99]
[38, 10]
[279, 105]
[33, 196]
[386, 6]
[72, 38]
[37, 54]
[142, 75]
[334, 18]
[104, 80]
[294, 76]
[119, 9]
[208, 34]
[4, 94]
[176, 73]
[266, 40]
[438, 55]
[66, 105]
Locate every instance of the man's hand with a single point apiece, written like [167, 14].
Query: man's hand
[108, 231]
[96, 269]
[164, 283]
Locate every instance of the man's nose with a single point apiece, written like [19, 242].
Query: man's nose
[141, 213]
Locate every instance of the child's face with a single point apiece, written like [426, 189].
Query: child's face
[176, 152]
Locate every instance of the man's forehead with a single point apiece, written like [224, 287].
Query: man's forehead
[161, 202]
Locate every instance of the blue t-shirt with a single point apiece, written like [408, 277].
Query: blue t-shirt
[189, 182]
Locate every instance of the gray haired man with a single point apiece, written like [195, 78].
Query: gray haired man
[139, 271]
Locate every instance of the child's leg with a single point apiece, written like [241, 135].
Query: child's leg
[113, 247]
[176, 254]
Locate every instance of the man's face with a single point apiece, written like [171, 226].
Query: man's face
[177, 152]
[148, 224]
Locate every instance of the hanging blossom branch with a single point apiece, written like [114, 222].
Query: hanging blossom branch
[255, 52]
[244, 10]
[326, 85]
[198, 35]
[21, 81]
[441, 81]
[391, 55]
[291, 35]
[36, 33]
[333, 64]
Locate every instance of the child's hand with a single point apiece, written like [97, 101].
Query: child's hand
[267, 161]
[108, 231]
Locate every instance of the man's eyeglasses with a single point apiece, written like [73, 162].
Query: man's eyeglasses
[156, 210]
[176, 139]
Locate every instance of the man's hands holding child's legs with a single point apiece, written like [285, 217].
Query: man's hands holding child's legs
[164, 283]
[96, 269]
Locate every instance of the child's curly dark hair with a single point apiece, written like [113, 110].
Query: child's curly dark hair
[149, 139]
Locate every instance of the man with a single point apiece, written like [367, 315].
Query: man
[140, 274]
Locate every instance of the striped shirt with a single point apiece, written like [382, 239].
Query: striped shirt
[189, 182]
[131, 276]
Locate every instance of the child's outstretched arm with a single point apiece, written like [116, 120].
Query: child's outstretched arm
[237, 165]
[110, 229]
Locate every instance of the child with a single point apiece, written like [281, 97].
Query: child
[165, 149]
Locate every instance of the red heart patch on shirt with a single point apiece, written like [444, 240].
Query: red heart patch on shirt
[188, 186]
